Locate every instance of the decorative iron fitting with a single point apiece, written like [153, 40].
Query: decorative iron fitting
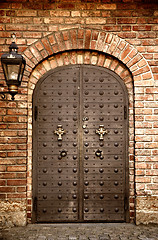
[60, 131]
[101, 131]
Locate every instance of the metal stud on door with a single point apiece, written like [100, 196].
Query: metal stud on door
[80, 145]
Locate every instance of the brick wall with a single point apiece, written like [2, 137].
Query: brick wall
[127, 33]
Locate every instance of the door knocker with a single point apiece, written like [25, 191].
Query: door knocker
[63, 153]
[101, 131]
[98, 153]
[60, 131]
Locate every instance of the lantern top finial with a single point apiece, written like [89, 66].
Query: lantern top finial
[13, 37]
[13, 47]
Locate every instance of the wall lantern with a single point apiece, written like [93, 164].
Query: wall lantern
[13, 65]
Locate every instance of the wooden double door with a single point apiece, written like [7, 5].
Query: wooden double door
[80, 129]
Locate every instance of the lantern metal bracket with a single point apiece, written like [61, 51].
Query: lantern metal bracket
[3, 95]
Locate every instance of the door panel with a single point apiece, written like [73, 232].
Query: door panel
[80, 146]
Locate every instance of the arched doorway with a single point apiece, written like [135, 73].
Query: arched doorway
[80, 144]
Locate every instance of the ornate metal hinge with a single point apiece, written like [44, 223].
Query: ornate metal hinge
[125, 112]
[126, 203]
[35, 204]
[36, 112]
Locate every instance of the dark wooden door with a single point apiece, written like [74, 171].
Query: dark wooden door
[80, 146]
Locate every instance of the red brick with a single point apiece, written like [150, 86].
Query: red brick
[7, 189]
[60, 41]
[112, 28]
[152, 186]
[66, 6]
[2, 182]
[17, 126]
[143, 179]
[66, 58]
[32, 5]
[36, 54]
[52, 39]
[2, 168]
[155, 69]
[147, 35]
[6, 175]
[111, 21]
[126, 28]
[47, 46]
[101, 59]
[129, 35]
[15, 182]
[6, 5]
[26, 13]
[11, 13]
[21, 175]
[16, 154]
[66, 36]
[17, 140]
[5, 20]
[109, 6]
[16, 195]
[54, 20]
[152, 90]
[144, 70]
[125, 52]
[2, 196]
[73, 58]
[87, 38]
[118, 13]
[95, 20]
[16, 168]
[142, 28]
[126, 20]
[103, 13]
[3, 154]
[8, 147]
[10, 119]
[73, 37]
[7, 161]
[16, 5]
[153, 20]
[21, 189]
[22, 20]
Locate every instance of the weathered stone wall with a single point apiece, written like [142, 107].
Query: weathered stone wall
[127, 32]
[146, 209]
[13, 213]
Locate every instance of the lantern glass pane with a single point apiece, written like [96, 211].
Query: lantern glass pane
[21, 72]
[13, 71]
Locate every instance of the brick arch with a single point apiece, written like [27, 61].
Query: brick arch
[88, 39]
[85, 46]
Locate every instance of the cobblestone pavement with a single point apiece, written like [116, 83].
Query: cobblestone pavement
[93, 231]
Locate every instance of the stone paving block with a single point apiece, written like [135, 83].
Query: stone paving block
[104, 237]
[72, 238]
[41, 238]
